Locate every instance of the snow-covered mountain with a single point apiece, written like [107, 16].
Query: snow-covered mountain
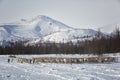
[42, 28]
[66, 36]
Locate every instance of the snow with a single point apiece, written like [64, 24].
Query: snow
[3, 34]
[54, 71]
[68, 35]
[41, 28]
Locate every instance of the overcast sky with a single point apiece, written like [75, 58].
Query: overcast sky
[75, 13]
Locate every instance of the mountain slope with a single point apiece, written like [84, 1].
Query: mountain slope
[42, 28]
[71, 35]
[35, 28]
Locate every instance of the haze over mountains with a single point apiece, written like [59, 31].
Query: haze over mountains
[110, 28]
[43, 28]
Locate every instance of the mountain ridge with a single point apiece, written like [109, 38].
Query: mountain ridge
[42, 28]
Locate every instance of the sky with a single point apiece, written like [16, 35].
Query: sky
[75, 13]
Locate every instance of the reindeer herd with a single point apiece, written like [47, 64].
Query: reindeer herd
[63, 60]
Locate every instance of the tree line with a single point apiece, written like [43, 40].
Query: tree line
[98, 45]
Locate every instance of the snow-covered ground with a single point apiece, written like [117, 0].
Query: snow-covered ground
[54, 71]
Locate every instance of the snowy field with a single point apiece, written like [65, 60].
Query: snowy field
[54, 71]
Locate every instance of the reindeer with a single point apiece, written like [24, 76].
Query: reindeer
[11, 58]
